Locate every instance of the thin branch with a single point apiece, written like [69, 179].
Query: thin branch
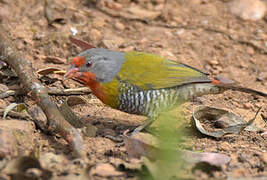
[68, 92]
[14, 114]
[51, 91]
[39, 93]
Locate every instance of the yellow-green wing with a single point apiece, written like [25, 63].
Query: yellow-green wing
[148, 71]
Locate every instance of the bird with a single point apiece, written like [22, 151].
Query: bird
[142, 83]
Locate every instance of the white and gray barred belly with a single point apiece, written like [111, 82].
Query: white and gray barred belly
[150, 102]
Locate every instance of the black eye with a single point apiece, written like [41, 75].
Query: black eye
[88, 64]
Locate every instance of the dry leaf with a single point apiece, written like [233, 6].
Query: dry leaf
[144, 144]
[220, 122]
[50, 70]
[80, 43]
[53, 59]
[19, 168]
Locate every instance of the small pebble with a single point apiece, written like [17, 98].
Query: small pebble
[263, 157]
[261, 76]
[248, 9]
[3, 104]
[35, 172]
[119, 26]
[20, 45]
[250, 51]
[243, 64]
[95, 35]
[207, 67]
[98, 22]
[114, 5]
[180, 32]
[248, 106]
[214, 62]
[219, 69]
[73, 30]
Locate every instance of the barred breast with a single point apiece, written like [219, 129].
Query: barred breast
[136, 101]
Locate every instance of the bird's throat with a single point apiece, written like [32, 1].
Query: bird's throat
[90, 80]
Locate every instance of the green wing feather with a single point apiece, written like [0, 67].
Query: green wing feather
[148, 71]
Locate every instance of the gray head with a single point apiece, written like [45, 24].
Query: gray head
[105, 64]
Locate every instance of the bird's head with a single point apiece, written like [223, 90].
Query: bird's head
[95, 64]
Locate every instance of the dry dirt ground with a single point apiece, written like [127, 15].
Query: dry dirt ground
[201, 33]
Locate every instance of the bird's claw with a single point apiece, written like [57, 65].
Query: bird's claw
[117, 139]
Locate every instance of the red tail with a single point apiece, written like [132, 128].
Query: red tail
[222, 81]
[215, 81]
[229, 84]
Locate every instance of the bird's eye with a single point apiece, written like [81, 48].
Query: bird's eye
[88, 64]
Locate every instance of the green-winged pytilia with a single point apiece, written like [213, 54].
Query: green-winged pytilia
[142, 83]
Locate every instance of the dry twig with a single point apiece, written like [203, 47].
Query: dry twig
[7, 94]
[51, 91]
[68, 92]
[14, 114]
[38, 92]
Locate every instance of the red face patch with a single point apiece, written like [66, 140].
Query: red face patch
[90, 80]
[78, 61]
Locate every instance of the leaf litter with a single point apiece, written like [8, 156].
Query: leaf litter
[131, 34]
[144, 144]
[221, 122]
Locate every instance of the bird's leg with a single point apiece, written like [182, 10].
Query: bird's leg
[118, 140]
[143, 126]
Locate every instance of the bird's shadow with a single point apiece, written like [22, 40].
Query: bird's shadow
[109, 126]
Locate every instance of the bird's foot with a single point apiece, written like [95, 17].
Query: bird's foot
[137, 130]
[143, 127]
[117, 139]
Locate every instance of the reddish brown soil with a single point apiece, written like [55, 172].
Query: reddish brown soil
[200, 33]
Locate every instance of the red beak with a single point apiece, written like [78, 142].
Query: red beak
[72, 73]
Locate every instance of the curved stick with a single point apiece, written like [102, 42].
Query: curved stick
[39, 93]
